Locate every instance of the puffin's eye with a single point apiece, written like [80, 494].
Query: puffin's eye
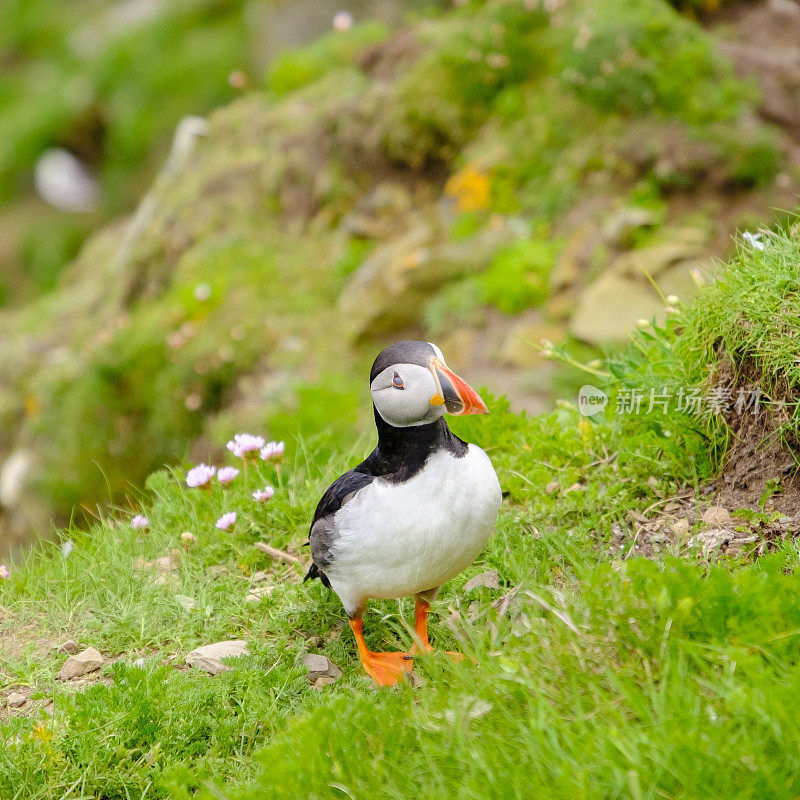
[397, 382]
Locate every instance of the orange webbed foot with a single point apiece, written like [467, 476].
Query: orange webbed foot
[387, 669]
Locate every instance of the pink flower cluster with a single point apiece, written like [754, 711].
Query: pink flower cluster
[199, 477]
[226, 521]
[263, 495]
[273, 451]
[244, 446]
[140, 521]
[5, 572]
[226, 475]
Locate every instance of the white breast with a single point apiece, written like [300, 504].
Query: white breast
[395, 539]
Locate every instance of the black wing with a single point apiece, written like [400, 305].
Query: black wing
[323, 531]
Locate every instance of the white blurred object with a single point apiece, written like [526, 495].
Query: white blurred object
[64, 182]
[754, 239]
[118, 19]
[186, 135]
[343, 21]
[12, 477]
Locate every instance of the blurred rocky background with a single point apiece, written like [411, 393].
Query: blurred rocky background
[213, 213]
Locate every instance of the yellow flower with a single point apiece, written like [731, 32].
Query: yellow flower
[470, 188]
[42, 734]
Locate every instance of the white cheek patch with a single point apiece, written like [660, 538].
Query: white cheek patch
[410, 405]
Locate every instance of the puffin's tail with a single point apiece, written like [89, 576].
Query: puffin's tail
[316, 572]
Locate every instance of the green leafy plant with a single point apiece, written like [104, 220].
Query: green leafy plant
[519, 275]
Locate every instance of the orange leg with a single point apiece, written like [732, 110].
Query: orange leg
[421, 609]
[386, 669]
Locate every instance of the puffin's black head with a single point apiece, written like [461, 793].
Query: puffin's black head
[411, 385]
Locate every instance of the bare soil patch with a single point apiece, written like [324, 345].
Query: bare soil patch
[762, 467]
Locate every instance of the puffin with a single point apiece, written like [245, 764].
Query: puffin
[417, 511]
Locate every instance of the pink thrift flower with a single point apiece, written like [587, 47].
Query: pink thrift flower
[264, 494]
[226, 475]
[273, 451]
[199, 477]
[226, 521]
[243, 445]
[140, 521]
[5, 572]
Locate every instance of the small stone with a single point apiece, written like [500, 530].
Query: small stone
[323, 680]
[654, 259]
[164, 564]
[320, 666]
[551, 487]
[491, 580]
[262, 576]
[81, 664]
[717, 515]
[16, 700]
[572, 261]
[69, 647]
[161, 565]
[621, 224]
[65, 182]
[209, 657]
[185, 602]
[713, 538]
[257, 592]
[681, 528]
[610, 307]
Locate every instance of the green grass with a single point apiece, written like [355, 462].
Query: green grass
[85, 77]
[599, 678]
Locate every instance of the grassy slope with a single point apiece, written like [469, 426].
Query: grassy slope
[599, 677]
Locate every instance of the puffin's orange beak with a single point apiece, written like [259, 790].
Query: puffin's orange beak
[458, 396]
